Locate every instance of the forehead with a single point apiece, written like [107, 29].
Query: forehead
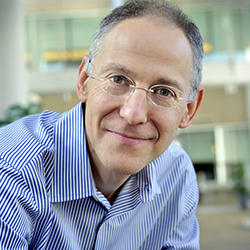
[149, 49]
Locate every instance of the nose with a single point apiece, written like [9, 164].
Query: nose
[135, 108]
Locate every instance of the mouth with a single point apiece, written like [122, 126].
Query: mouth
[128, 139]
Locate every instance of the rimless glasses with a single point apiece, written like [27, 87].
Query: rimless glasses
[120, 85]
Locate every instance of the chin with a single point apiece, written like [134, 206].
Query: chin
[125, 166]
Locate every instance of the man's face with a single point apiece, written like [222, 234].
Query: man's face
[125, 134]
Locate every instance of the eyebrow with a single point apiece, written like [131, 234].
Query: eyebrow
[170, 82]
[117, 67]
[124, 70]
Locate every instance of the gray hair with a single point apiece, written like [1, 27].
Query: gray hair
[159, 9]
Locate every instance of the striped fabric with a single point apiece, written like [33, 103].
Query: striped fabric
[48, 199]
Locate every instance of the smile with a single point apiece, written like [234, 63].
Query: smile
[126, 139]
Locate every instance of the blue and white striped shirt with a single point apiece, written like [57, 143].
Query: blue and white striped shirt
[48, 198]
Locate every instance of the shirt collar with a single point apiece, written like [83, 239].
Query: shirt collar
[147, 182]
[72, 173]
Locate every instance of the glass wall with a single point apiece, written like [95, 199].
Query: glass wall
[216, 151]
[54, 43]
[59, 38]
[225, 29]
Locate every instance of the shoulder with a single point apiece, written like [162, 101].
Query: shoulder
[176, 158]
[26, 153]
[177, 152]
[174, 170]
[27, 137]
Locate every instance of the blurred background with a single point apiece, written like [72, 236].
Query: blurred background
[42, 43]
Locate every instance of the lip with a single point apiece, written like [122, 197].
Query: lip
[126, 139]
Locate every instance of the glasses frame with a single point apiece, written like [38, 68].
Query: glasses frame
[133, 87]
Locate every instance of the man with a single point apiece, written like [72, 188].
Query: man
[106, 175]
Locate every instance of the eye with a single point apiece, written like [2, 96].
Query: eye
[119, 80]
[164, 91]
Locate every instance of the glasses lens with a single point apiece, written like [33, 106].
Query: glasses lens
[163, 95]
[117, 85]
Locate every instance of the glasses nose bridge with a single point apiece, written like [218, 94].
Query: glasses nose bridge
[133, 87]
[139, 87]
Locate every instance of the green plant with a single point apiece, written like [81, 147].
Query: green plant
[17, 111]
[238, 175]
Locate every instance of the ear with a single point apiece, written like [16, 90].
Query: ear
[192, 108]
[81, 80]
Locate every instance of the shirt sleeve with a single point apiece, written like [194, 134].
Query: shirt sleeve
[186, 234]
[15, 206]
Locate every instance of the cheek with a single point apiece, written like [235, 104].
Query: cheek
[98, 107]
[94, 92]
[168, 125]
[96, 100]
[94, 105]
[168, 133]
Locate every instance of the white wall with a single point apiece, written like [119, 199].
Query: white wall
[13, 86]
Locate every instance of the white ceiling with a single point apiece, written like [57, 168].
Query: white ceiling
[64, 5]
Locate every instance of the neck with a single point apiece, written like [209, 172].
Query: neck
[109, 185]
[111, 196]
